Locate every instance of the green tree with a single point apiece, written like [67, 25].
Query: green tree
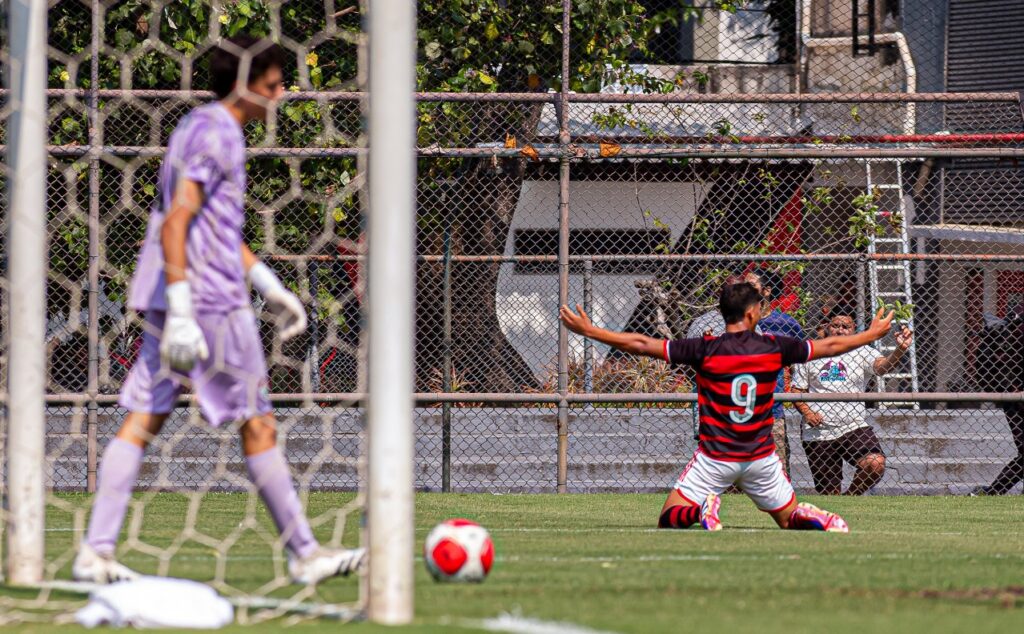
[464, 46]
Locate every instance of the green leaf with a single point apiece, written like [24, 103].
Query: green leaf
[239, 24]
[491, 31]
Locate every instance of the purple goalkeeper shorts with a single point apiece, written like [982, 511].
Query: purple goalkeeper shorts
[231, 384]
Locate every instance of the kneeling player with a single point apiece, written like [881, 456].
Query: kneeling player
[736, 376]
[191, 285]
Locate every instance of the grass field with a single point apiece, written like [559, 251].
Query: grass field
[910, 565]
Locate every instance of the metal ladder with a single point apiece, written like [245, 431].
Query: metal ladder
[890, 280]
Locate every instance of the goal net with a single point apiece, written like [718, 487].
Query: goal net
[88, 135]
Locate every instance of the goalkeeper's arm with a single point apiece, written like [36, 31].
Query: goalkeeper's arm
[182, 340]
[286, 307]
[187, 201]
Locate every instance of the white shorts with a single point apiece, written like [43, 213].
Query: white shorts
[762, 480]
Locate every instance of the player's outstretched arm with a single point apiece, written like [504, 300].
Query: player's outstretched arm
[631, 342]
[833, 346]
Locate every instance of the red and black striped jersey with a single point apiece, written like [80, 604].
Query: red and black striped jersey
[736, 376]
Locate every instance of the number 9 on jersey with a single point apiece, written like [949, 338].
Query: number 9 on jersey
[744, 398]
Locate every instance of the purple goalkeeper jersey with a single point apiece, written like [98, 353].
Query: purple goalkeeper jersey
[207, 147]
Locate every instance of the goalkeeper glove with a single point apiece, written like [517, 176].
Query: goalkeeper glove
[283, 304]
[182, 340]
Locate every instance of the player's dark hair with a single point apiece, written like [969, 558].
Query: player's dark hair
[736, 299]
[226, 59]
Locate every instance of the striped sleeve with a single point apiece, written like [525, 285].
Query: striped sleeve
[685, 351]
[794, 350]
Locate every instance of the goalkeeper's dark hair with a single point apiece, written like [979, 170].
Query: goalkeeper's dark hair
[735, 299]
[226, 61]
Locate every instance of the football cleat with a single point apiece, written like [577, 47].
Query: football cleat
[325, 563]
[815, 518]
[94, 567]
[709, 513]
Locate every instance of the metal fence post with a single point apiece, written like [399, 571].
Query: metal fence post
[563, 253]
[313, 350]
[588, 306]
[446, 366]
[862, 311]
[95, 143]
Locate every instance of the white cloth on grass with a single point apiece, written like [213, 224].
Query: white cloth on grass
[155, 602]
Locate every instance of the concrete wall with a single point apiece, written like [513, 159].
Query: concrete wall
[514, 450]
[694, 119]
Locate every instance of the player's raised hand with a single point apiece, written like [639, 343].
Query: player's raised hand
[904, 338]
[182, 341]
[881, 324]
[577, 323]
[288, 310]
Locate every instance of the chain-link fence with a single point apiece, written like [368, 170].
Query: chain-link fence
[627, 155]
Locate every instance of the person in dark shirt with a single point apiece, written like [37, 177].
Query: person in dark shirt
[736, 375]
[778, 322]
[1000, 368]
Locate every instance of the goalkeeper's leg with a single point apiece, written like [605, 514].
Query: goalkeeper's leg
[268, 470]
[149, 394]
[118, 471]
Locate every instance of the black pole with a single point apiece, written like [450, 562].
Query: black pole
[313, 349]
[446, 366]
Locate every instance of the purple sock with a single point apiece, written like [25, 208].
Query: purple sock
[269, 472]
[118, 471]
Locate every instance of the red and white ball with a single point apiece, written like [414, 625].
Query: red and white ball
[458, 550]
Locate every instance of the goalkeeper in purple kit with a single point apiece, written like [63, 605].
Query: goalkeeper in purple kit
[190, 285]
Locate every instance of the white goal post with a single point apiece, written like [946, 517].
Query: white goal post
[391, 277]
[26, 245]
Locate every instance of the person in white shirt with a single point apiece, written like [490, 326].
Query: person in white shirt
[834, 433]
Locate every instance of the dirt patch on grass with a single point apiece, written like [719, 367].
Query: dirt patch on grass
[1008, 597]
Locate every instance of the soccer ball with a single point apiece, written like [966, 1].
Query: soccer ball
[458, 550]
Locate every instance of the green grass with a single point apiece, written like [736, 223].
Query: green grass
[938, 564]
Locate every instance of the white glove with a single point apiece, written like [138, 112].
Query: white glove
[283, 304]
[182, 340]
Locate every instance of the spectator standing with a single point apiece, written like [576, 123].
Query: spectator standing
[778, 323]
